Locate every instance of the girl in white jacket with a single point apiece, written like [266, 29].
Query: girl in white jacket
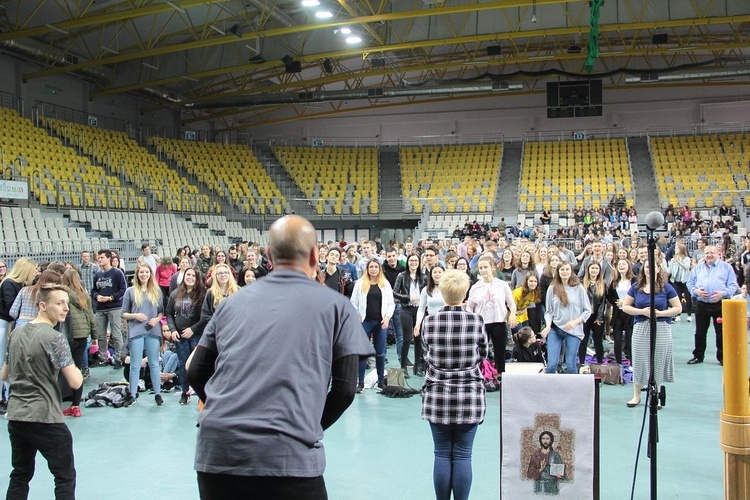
[373, 299]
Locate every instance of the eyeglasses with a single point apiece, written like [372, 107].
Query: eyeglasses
[3, 267]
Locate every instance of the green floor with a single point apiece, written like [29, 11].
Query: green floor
[381, 449]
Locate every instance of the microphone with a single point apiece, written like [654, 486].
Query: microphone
[654, 220]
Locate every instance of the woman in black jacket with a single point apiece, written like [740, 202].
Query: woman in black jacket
[406, 292]
[184, 320]
[622, 323]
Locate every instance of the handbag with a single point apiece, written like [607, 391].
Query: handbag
[611, 373]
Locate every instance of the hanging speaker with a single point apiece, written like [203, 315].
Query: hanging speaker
[660, 38]
[293, 67]
[327, 66]
[494, 50]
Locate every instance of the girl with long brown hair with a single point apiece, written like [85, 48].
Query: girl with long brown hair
[622, 323]
[593, 282]
[82, 325]
[184, 320]
[567, 308]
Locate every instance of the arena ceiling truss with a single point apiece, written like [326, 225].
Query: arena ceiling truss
[245, 63]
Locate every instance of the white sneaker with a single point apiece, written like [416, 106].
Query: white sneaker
[677, 319]
[689, 319]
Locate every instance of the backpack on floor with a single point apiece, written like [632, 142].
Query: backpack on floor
[395, 378]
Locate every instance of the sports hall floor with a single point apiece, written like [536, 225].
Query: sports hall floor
[380, 449]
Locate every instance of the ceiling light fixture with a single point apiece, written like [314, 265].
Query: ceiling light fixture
[346, 31]
[310, 3]
[55, 28]
[190, 78]
[107, 49]
[353, 39]
[324, 14]
[175, 7]
[218, 30]
[151, 66]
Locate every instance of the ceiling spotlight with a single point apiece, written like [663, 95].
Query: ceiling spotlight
[346, 31]
[353, 39]
[310, 3]
[533, 18]
[324, 14]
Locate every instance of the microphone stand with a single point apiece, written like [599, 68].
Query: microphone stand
[652, 391]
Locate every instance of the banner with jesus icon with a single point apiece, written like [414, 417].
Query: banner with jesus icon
[547, 425]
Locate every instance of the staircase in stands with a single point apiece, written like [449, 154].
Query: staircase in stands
[294, 196]
[391, 194]
[506, 197]
[644, 180]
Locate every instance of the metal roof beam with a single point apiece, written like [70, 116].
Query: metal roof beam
[429, 43]
[103, 18]
[303, 28]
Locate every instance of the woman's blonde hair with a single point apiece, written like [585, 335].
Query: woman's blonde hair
[24, 271]
[216, 291]
[153, 292]
[366, 276]
[453, 286]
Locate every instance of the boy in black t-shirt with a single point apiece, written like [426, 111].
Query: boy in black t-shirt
[37, 353]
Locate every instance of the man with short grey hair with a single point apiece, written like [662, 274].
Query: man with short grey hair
[261, 428]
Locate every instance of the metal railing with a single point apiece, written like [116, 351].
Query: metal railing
[568, 135]
[52, 110]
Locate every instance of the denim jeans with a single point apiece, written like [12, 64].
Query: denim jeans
[396, 322]
[152, 345]
[170, 362]
[55, 443]
[554, 344]
[184, 348]
[452, 469]
[379, 334]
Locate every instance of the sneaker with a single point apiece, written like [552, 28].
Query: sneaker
[158, 400]
[689, 319]
[677, 319]
[72, 411]
[129, 401]
[184, 398]
[118, 365]
[360, 388]
[85, 372]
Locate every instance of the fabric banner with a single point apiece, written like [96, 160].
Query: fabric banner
[547, 426]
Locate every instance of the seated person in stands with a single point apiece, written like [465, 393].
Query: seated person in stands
[526, 349]
[545, 218]
[457, 233]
